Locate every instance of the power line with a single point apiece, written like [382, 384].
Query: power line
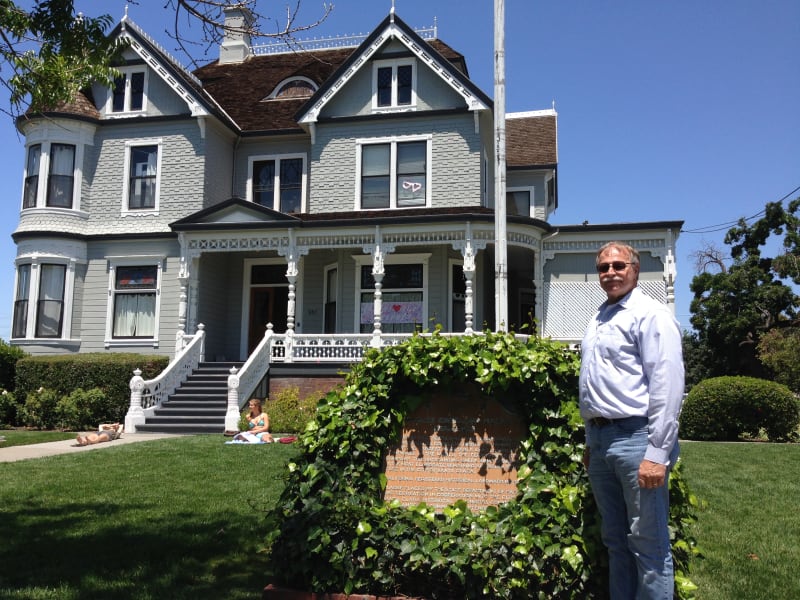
[729, 224]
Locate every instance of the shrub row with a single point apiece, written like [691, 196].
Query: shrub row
[729, 408]
[47, 409]
[98, 385]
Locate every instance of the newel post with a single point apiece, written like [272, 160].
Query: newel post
[135, 415]
[232, 414]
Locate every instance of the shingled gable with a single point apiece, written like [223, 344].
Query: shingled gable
[233, 213]
[183, 83]
[532, 140]
[393, 27]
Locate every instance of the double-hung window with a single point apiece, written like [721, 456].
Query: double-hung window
[62, 175]
[39, 300]
[31, 191]
[394, 174]
[57, 161]
[278, 182]
[394, 84]
[143, 174]
[128, 93]
[134, 312]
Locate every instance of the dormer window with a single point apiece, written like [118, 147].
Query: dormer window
[394, 84]
[128, 94]
[290, 89]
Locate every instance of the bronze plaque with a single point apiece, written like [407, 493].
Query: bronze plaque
[461, 445]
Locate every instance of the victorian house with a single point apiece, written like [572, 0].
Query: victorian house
[337, 194]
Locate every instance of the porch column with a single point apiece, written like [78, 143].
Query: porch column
[377, 305]
[183, 280]
[469, 275]
[292, 253]
[468, 248]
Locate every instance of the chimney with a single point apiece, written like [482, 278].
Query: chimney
[235, 46]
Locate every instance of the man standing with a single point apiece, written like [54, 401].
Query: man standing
[631, 391]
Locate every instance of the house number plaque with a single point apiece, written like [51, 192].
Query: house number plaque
[456, 446]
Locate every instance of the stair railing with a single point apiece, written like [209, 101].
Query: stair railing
[242, 383]
[148, 395]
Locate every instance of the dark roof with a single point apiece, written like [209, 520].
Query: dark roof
[81, 106]
[241, 88]
[531, 141]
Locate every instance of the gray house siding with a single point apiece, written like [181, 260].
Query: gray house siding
[265, 147]
[181, 180]
[96, 298]
[218, 164]
[455, 156]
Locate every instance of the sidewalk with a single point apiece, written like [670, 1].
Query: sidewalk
[15, 453]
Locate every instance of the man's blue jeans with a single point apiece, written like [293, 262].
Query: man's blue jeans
[634, 520]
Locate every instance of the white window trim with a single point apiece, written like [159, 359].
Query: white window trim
[391, 259]
[393, 141]
[394, 64]
[326, 292]
[127, 112]
[33, 295]
[133, 261]
[531, 197]
[126, 183]
[44, 175]
[276, 199]
[274, 94]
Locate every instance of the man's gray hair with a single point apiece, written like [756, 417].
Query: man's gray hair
[633, 253]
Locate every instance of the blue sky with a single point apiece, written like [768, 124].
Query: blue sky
[670, 110]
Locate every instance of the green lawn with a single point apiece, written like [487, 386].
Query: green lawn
[174, 518]
[749, 531]
[183, 518]
[22, 437]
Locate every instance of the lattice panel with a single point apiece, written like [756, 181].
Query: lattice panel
[569, 305]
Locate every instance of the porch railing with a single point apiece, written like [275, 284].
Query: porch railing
[148, 395]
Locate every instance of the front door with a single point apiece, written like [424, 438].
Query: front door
[268, 299]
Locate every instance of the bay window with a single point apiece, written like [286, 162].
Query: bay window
[50, 303]
[40, 299]
[61, 177]
[58, 162]
[31, 191]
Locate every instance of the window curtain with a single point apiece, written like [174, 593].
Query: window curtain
[144, 167]
[134, 315]
[375, 162]
[51, 300]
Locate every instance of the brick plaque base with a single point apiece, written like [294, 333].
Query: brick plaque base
[457, 445]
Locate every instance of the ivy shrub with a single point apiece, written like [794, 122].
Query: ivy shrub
[85, 409]
[331, 531]
[729, 408]
[288, 413]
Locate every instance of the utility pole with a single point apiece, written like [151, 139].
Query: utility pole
[500, 226]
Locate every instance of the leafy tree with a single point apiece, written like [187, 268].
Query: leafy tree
[779, 349]
[48, 52]
[734, 308]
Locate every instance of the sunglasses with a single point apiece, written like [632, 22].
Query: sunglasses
[617, 265]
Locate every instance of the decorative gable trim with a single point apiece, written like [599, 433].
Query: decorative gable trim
[234, 212]
[393, 28]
